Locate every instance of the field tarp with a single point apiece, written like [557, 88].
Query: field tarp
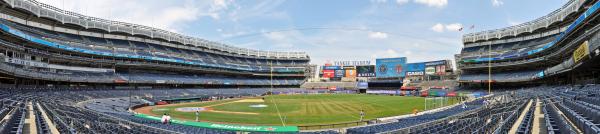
[227, 126]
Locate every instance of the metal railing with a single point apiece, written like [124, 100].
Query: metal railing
[560, 14]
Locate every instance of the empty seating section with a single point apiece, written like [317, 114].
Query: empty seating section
[497, 116]
[566, 109]
[502, 77]
[149, 77]
[16, 119]
[131, 49]
[527, 123]
[574, 104]
[584, 117]
[415, 120]
[555, 123]
[42, 125]
[503, 48]
[105, 111]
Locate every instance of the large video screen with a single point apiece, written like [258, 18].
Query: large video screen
[390, 67]
[415, 69]
[365, 71]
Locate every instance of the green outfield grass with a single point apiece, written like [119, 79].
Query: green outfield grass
[300, 110]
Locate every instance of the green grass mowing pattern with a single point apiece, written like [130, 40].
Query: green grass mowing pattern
[300, 110]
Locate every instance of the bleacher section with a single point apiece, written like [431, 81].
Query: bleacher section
[566, 109]
[534, 55]
[516, 76]
[123, 49]
[33, 53]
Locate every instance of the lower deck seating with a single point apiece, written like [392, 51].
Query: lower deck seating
[567, 109]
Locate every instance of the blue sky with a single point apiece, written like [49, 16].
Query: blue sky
[328, 30]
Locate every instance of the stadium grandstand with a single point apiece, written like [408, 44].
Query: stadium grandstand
[64, 72]
[96, 52]
[539, 51]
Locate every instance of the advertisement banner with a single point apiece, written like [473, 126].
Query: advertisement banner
[430, 70]
[351, 73]
[332, 67]
[390, 67]
[440, 70]
[365, 71]
[435, 63]
[339, 73]
[349, 67]
[382, 91]
[363, 85]
[285, 129]
[414, 73]
[415, 67]
[328, 73]
[581, 52]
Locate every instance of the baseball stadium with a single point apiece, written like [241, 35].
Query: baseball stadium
[307, 67]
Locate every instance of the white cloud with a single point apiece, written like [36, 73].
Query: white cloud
[401, 2]
[226, 34]
[391, 53]
[433, 3]
[220, 3]
[378, 1]
[454, 27]
[173, 15]
[378, 35]
[512, 22]
[283, 41]
[438, 27]
[387, 53]
[407, 53]
[497, 3]
[265, 8]
[276, 36]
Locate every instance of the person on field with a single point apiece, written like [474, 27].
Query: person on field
[168, 119]
[197, 115]
[362, 115]
[415, 111]
[163, 119]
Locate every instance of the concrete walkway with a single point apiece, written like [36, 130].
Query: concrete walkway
[30, 124]
[51, 125]
[539, 121]
[515, 127]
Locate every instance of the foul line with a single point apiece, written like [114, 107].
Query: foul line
[276, 108]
